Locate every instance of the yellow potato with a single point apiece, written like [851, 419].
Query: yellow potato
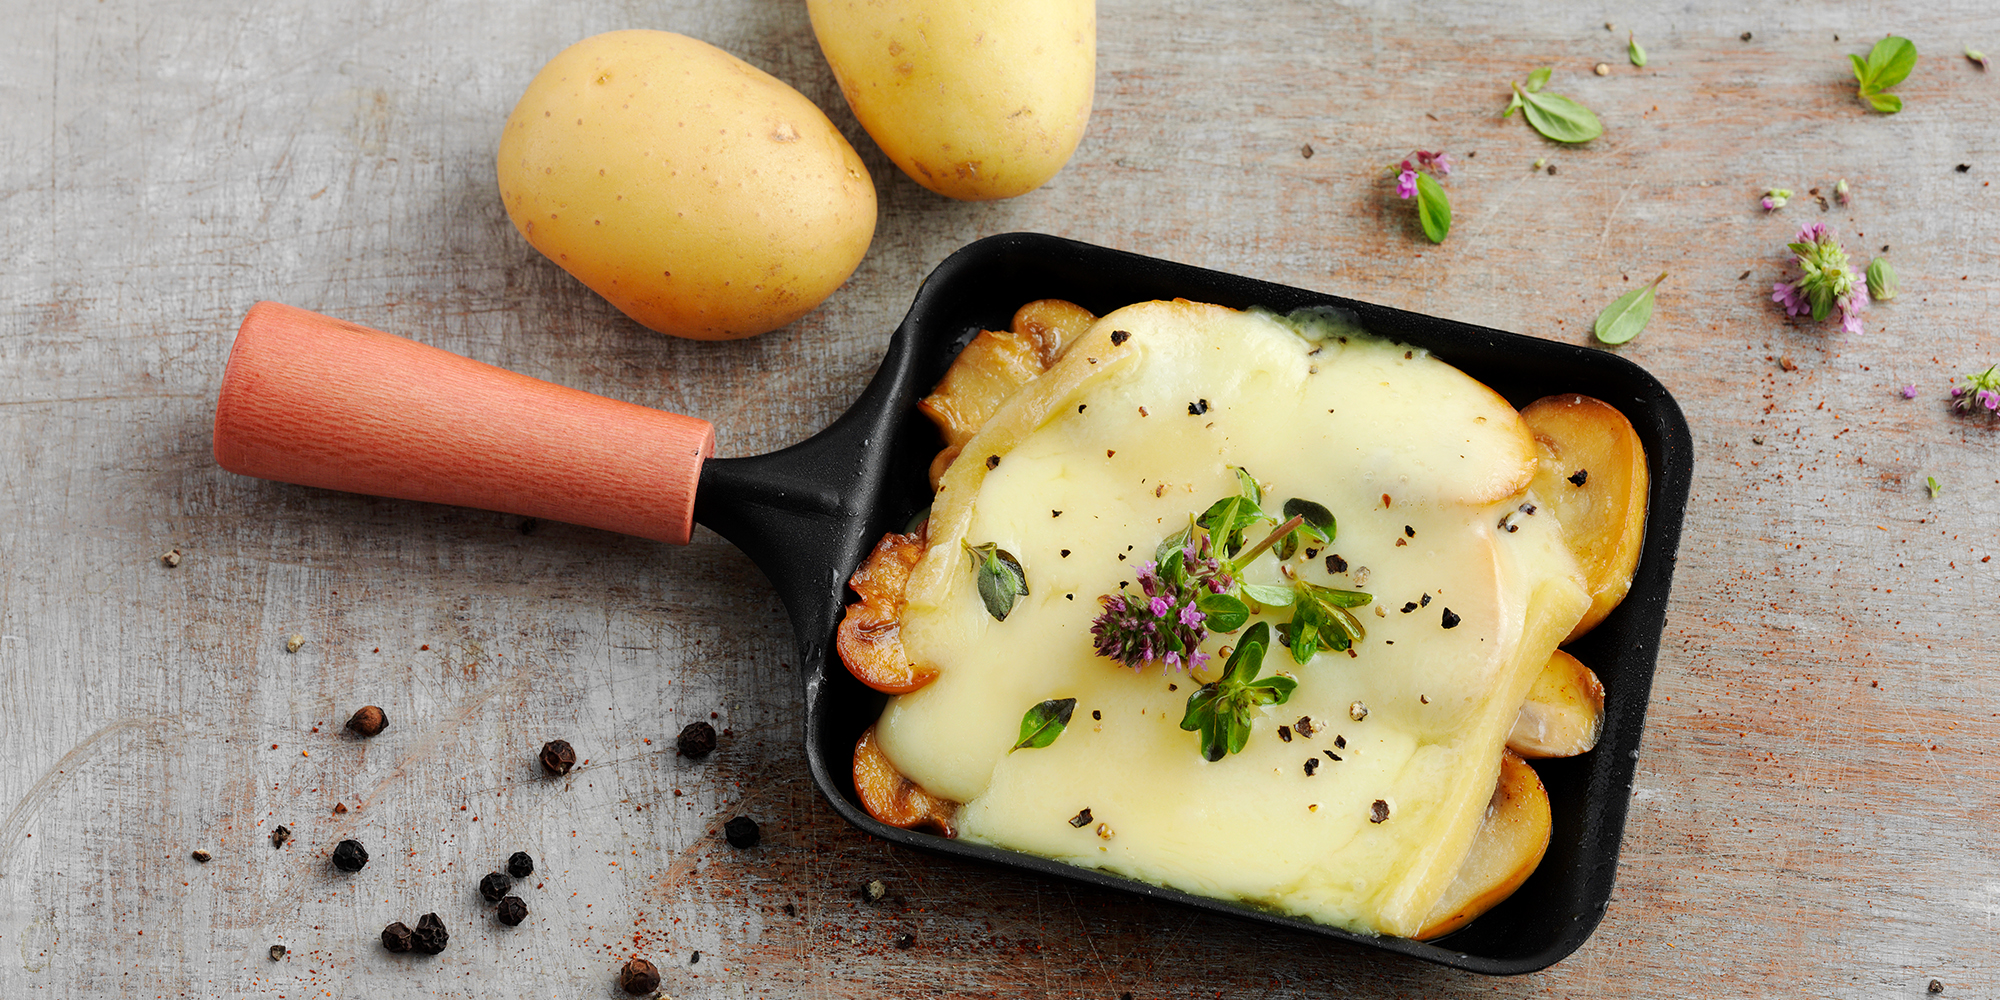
[700, 195]
[977, 99]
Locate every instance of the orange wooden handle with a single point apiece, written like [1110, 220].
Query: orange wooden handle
[317, 401]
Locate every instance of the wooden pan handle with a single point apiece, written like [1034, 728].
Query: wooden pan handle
[316, 401]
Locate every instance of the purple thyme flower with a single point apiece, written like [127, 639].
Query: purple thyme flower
[1406, 183]
[1981, 391]
[1909, 392]
[1164, 626]
[1827, 283]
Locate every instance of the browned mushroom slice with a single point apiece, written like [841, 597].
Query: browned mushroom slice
[1592, 474]
[894, 799]
[993, 366]
[1564, 711]
[870, 637]
[1510, 843]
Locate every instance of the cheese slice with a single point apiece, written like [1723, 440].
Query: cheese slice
[1079, 476]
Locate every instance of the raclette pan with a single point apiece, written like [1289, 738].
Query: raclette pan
[319, 402]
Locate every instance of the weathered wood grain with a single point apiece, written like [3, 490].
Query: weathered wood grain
[1814, 807]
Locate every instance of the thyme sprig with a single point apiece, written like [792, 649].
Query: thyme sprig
[1194, 586]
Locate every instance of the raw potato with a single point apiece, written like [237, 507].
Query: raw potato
[1510, 844]
[977, 99]
[1564, 712]
[1603, 516]
[701, 196]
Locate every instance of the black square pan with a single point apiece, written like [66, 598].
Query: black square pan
[809, 514]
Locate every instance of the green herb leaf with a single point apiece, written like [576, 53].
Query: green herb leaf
[1267, 595]
[1302, 633]
[1001, 579]
[1634, 51]
[1044, 723]
[1539, 79]
[1225, 613]
[1627, 315]
[1513, 105]
[1889, 63]
[1200, 704]
[1561, 119]
[1317, 517]
[1936, 487]
[1433, 208]
[1176, 542]
[1887, 104]
[1882, 284]
[1248, 485]
[1226, 518]
[1334, 596]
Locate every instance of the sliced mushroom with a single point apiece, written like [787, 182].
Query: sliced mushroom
[1592, 475]
[894, 799]
[1564, 711]
[870, 637]
[1510, 843]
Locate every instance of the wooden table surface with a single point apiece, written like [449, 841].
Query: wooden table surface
[1814, 812]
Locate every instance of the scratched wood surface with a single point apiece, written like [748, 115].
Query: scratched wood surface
[1815, 802]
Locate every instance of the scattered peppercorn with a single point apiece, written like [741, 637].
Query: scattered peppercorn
[520, 865]
[1746, 36]
[1340, 741]
[350, 856]
[1335, 564]
[278, 953]
[201, 856]
[170, 558]
[1306, 151]
[741, 832]
[1357, 711]
[368, 721]
[1312, 765]
[494, 886]
[992, 461]
[513, 910]
[1304, 727]
[1424, 601]
[1963, 167]
[906, 940]
[1198, 407]
[873, 892]
[1579, 477]
[694, 959]
[1330, 755]
[293, 642]
[1409, 606]
[1285, 733]
[697, 740]
[280, 835]
[1119, 337]
[1935, 987]
[1378, 811]
[1081, 819]
[431, 936]
[1449, 620]
[398, 937]
[638, 976]
[558, 757]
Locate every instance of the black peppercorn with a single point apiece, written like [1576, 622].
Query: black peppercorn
[741, 832]
[638, 976]
[697, 740]
[495, 886]
[430, 937]
[558, 757]
[520, 865]
[280, 835]
[350, 856]
[513, 910]
[278, 952]
[398, 937]
[368, 721]
[201, 856]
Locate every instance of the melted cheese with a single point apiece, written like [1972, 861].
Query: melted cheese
[1080, 475]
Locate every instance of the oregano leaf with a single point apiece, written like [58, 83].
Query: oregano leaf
[1044, 723]
[1628, 314]
[1225, 613]
[1561, 119]
[1881, 280]
[1433, 208]
[1538, 79]
[1001, 579]
[1635, 51]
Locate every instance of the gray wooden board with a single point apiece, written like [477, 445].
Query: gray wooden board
[1814, 810]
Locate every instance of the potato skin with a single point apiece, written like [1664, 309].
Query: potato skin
[700, 195]
[974, 99]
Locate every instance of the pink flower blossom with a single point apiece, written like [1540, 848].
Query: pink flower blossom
[1406, 183]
